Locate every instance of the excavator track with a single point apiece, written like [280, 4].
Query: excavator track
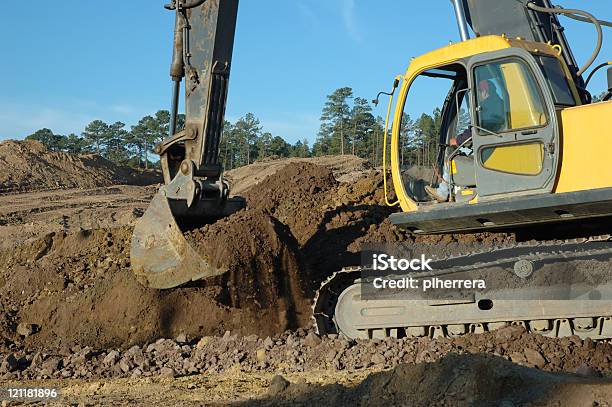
[339, 308]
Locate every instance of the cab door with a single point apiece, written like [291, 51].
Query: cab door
[514, 125]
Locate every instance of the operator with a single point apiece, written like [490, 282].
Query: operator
[442, 192]
[492, 110]
[491, 114]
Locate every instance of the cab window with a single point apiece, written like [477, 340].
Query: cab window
[507, 97]
[553, 72]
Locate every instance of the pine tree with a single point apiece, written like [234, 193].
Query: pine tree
[95, 134]
[335, 119]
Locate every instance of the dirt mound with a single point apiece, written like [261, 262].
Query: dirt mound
[296, 196]
[301, 225]
[455, 380]
[332, 221]
[342, 166]
[28, 166]
[78, 289]
[264, 267]
[325, 216]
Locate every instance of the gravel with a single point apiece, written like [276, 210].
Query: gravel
[302, 350]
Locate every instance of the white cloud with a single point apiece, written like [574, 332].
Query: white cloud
[350, 20]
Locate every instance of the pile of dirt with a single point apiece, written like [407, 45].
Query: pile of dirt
[455, 380]
[303, 210]
[264, 267]
[29, 166]
[77, 288]
[344, 167]
[297, 196]
[300, 226]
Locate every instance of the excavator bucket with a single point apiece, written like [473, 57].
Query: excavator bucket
[160, 255]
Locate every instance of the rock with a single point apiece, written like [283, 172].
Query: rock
[25, 329]
[134, 350]
[588, 343]
[36, 359]
[203, 342]
[140, 360]
[182, 338]
[312, 340]
[534, 358]
[111, 358]
[268, 342]
[587, 371]
[331, 355]
[124, 366]
[9, 364]
[260, 354]
[517, 357]
[82, 357]
[51, 366]
[167, 372]
[277, 385]
[509, 333]
[378, 359]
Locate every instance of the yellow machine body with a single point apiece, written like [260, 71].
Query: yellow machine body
[586, 156]
[584, 130]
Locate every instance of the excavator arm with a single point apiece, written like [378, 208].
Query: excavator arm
[202, 55]
[195, 192]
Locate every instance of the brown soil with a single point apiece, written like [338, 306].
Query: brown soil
[64, 267]
[77, 289]
[300, 226]
[264, 268]
[455, 380]
[344, 167]
[495, 368]
[29, 166]
[296, 196]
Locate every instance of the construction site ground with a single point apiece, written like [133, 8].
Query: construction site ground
[73, 316]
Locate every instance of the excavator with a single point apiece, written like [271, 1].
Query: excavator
[534, 151]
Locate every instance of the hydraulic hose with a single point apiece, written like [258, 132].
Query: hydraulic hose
[573, 13]
[187, 4]
[193, 3]
[597, 68]
[586, 20]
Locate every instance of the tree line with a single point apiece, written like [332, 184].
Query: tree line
[133, 146]
[347, 126]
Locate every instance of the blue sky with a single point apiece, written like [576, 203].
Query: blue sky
[69, 62]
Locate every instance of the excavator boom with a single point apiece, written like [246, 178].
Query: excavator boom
[195, 192]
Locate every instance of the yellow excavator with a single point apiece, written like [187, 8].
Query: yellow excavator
[535, 150]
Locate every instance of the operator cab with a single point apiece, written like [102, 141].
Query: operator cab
[497, 129]
[493, 157]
